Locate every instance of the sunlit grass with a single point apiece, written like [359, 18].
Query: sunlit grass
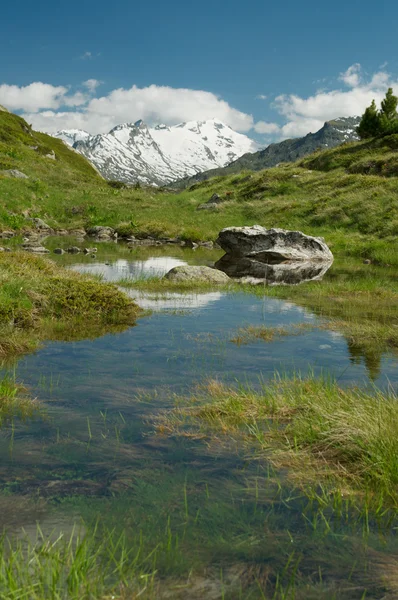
[40, 300]
[312, 425]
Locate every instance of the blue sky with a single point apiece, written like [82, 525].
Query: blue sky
[227, 54]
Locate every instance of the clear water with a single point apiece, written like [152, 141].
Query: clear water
[94, 453]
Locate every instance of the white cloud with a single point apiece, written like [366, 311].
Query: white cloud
[86, 55]
[32, 97]
[261, 97]
[50, 108]
[268, 128]
[38, 96]
[153, 104]
[92, 84]
[352, 76]
[305, 114]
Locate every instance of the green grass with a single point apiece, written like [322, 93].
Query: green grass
[250, 333]
[40, 300]
[311, 426]
[14, 401]
[328, 193]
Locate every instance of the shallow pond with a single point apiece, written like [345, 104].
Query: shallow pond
[93, 453]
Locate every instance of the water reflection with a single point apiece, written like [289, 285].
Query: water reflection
[287, 273]
[132, 269]
[172, 301]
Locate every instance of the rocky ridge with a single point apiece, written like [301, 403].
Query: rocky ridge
[332, 134]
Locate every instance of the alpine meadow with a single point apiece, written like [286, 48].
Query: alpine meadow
[198, 308]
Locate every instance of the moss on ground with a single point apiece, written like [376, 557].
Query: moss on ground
[39, 299]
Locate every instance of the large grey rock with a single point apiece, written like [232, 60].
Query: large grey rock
[14, 173]
[273, 245]
[196, 273]
[255, 272]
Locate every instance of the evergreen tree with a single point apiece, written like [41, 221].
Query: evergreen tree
[388, 113]
[370, 122]
[389, 106]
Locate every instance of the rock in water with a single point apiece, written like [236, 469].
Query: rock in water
[286, 273]
[101, 232]
[273, 246]
[195, 273]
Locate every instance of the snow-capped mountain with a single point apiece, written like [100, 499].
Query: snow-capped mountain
[71, 136]
[133, 152]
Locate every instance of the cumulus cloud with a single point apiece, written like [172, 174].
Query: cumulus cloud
[86, 55]
[352, 76]
[38, 96]
[32, 97]
[50, 108]
[268, 128]
[91, 84]
[307, 114]
[153, 104]
[261, 97]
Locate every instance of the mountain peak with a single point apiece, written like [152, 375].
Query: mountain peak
[159, 155]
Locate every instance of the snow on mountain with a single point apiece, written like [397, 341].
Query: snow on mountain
[133, 152]
[71, 136]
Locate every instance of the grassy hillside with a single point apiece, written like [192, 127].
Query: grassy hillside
[348, 194]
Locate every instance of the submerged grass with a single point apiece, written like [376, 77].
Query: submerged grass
[14, 401]
[248, 334]
[348, 435]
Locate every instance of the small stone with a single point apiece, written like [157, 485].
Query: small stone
[35, 248]
[40, 224]
[367, 261]
[14, 173]
[73, 250]
[51, 155]
[101, 232]
[58, 251]
[197, 273]
[215, 199]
